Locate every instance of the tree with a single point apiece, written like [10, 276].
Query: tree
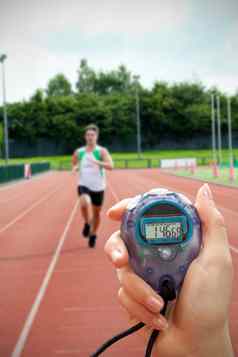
[38, 96]
[86, 78]
[1, 139]
[59, 86]
[89, 81]
[119, 80]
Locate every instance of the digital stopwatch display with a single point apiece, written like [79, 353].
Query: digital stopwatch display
[163, 225]
[163, 230]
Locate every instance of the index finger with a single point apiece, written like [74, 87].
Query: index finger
[117, 251]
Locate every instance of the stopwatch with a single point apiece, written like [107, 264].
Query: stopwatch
[162, 232]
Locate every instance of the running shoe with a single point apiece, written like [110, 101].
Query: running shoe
[86, 230]
[92, 241]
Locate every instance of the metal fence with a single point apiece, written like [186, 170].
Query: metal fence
[143, 163]
[118, 164]
[11, 172]
[15, 172]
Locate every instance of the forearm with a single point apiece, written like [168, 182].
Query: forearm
[75, 167]
[106, 165]
[211, 344]
[218, 345]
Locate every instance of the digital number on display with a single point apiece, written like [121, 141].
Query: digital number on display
[154, 231]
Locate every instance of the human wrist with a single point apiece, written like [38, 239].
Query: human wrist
[217, 344]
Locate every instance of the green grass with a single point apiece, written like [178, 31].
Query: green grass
[205, 174]
[174, 154]
[203, 156]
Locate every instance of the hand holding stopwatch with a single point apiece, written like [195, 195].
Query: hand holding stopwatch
[162, 232]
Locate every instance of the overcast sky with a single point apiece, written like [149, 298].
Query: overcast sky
[172, 40]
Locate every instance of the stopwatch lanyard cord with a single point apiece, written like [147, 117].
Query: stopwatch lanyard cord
[116, 338]
[155, 333]
[129, 332]
[167, 294]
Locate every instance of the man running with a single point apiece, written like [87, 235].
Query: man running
[91, 161]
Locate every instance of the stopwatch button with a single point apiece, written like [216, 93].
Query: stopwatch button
[167, 253]
[149, 270]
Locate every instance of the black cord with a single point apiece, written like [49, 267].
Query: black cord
[168, 294]
[155, 333]
[117, 338]
[151, 343]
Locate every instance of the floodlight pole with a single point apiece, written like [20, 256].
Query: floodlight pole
[214, 153]
[138, 123]
[2, 60]
[219, 129]
[229, 131]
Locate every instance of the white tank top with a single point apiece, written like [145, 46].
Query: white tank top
[90, 174]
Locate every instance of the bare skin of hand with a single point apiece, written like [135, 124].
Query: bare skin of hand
[197, 325]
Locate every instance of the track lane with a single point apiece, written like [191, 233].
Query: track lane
[11, 187]
[26, 250]
[41, 293]
[31, 194]
[86, 311]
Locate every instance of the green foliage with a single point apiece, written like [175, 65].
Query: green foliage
[1, 134]
[1, 138]
[89, 81]
[86, 78]
[175, 111]
[59, 86]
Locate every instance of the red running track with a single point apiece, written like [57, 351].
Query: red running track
[57, 297]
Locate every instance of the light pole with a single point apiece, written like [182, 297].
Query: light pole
[138, 126]
[214, 153]
[219, 129]
[2, 60]
[230, 138]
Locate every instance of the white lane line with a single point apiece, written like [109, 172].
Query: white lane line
[41, 293]
[115, 196]
[23, 182]
[28, 210]
[234, 249]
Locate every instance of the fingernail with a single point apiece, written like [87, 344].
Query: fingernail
[116, 254]
[160, 323]
[207, 191]
[154, 304]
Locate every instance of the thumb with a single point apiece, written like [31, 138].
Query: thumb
[116, 211]
[215, 239]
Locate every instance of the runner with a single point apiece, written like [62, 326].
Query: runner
[91, 161]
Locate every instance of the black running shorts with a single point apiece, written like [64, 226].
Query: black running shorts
[96, 196]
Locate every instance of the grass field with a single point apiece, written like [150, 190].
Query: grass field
[203, 156]
[205, 174]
